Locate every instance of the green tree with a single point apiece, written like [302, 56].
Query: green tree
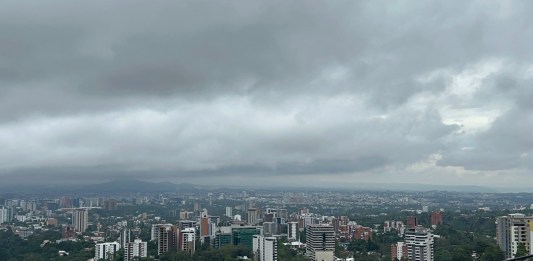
[461, 254]
[443, 255]
[118, 256]
[492, 253]
[181, 256]
[521, 250]
[287, 254]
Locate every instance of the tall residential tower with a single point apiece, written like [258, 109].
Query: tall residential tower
[419, 243]
[80, 219]
[513, 230]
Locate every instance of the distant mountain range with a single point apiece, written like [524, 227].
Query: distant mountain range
[114, 186]
[425, 187]
[137, 186]
[134, 186]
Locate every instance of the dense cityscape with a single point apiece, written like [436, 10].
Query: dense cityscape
[205, 224]
[266, 130]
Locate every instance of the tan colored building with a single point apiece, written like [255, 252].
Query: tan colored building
[513, 230]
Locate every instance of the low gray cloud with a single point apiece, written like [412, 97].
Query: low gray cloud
[210, 89]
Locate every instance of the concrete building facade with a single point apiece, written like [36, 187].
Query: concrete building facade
[320, 241]
[104, 251]
[513, 230]
[136, 249]
[265, 248]
[419, 243]
[80, 219]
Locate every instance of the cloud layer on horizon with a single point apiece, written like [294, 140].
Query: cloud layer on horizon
[338, 92]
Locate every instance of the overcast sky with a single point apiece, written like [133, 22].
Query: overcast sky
[328, 93]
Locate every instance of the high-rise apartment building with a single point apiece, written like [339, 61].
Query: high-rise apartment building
[68, 231]
[110, 204]
[4, 215]
[76, 203]
[412, 221]
[419, 243]
[65, 202]
[175, 239]
[303, 211]
[268, 217]
[155, 230]
[270, 228]
[136, 249]
[80, 219]
[185, 215]
[399, 251]
[293, 231]
[167, 239]
[320, 242]
[436, 218]
[187, 238]
[513, 230]
[197, 206]
[393, 225]
[105, 251]
[282, 213]
[125, 238]
[229, 211]
[183, 224]
[265, 248]
[253, 214]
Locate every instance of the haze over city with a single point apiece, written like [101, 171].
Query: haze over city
[293, 93]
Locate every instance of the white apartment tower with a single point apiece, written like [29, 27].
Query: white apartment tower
[265, 248]
[105, 251]
[229, 211]
[4, 215]
[135, 249]
[419, 243]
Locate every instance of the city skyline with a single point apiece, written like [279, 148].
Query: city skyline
[270, 225]
[270, 93]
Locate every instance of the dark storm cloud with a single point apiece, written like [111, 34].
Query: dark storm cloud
[187, 48]
[262, 88]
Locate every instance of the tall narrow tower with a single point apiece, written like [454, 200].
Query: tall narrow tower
[80, 219]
